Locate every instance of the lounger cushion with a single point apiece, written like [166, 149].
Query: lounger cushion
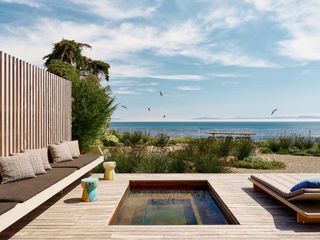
[23, 190]
[309, 183]
[15, 168]
[6, 206]
[282, 184]
[77, 163]
[74, 148]
[60, 152]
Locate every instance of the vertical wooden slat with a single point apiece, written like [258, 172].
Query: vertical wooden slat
[2, 142]
[35, 106]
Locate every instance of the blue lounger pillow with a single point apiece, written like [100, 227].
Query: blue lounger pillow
[309, 183]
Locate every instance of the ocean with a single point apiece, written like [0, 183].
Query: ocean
[262, 129]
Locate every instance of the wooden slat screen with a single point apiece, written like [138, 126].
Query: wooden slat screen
[35, 106]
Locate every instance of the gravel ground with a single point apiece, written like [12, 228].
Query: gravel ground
[295, 164]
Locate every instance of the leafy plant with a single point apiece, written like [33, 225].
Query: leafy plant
[109, 139]
[208, 163]
[135, 138]
[302, 142]
[255, 162]
[274, 144]
[92, 104]
[243, 148]
[265, 150]
[161, 140]
[91, 109]
[285, 142]
[126, 162]
[151, 163]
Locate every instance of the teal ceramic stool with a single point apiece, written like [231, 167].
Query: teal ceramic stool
[89, 186]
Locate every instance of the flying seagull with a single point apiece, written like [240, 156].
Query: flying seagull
[123, 106]
[274, 111]
[164, 116]
[149, 109]
[161, 93]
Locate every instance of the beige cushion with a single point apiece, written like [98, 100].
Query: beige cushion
[43, 153]
[16, 168]
[74, 148]
[36, 162]
[60, 152]
[282, 183]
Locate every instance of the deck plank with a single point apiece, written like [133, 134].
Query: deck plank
[66, 217]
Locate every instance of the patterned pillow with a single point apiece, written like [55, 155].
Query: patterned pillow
[44, 157]
[74, 148]
[15, 168]
[36, 162]
[60, 153]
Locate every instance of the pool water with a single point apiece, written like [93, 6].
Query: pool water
[161, 206]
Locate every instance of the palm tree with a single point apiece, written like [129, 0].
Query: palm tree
[97, 68]
[68, 51]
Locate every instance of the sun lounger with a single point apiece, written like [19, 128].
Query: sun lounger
[305, 202]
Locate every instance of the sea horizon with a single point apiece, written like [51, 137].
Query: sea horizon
[225, 120]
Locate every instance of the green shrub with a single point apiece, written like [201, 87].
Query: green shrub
[180, 140]
[224, 147]
[294, 150]
[255, 162]
[265, 150]
[177, 163]
[274, 144]
[161, 140]
[91, 111]
[208, 163]
[243, 148]
[285, 142]
[151, 163]
[109, 139]
[126, 161]
[302, 142]
[135, 138]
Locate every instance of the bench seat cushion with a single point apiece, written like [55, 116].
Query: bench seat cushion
[6, 206]
[77, 163]
[23, 190]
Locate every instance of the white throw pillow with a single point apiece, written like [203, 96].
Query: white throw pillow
[74, 148]
[16, 168]
[60, 152]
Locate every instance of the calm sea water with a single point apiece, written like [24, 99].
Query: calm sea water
[196, 129]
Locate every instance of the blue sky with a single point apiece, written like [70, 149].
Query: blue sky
[210, 58]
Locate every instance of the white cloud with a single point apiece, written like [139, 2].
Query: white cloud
[178, 77]
[30, 3]
[301, 20]
[125, 91]
[188, 88]
[228, 17]
[229, 58]
[117, 10]
[228, 75]
[125, 41]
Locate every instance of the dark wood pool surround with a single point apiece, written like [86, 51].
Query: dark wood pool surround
[173, 185]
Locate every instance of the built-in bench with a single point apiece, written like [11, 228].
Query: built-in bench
[19, 198]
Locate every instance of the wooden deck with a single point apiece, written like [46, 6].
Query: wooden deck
[65, 217]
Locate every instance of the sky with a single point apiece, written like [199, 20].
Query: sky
[210, 58]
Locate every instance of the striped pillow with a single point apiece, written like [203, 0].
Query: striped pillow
[74, 148]
[60, 152]
[44, 157]
[15, 168]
